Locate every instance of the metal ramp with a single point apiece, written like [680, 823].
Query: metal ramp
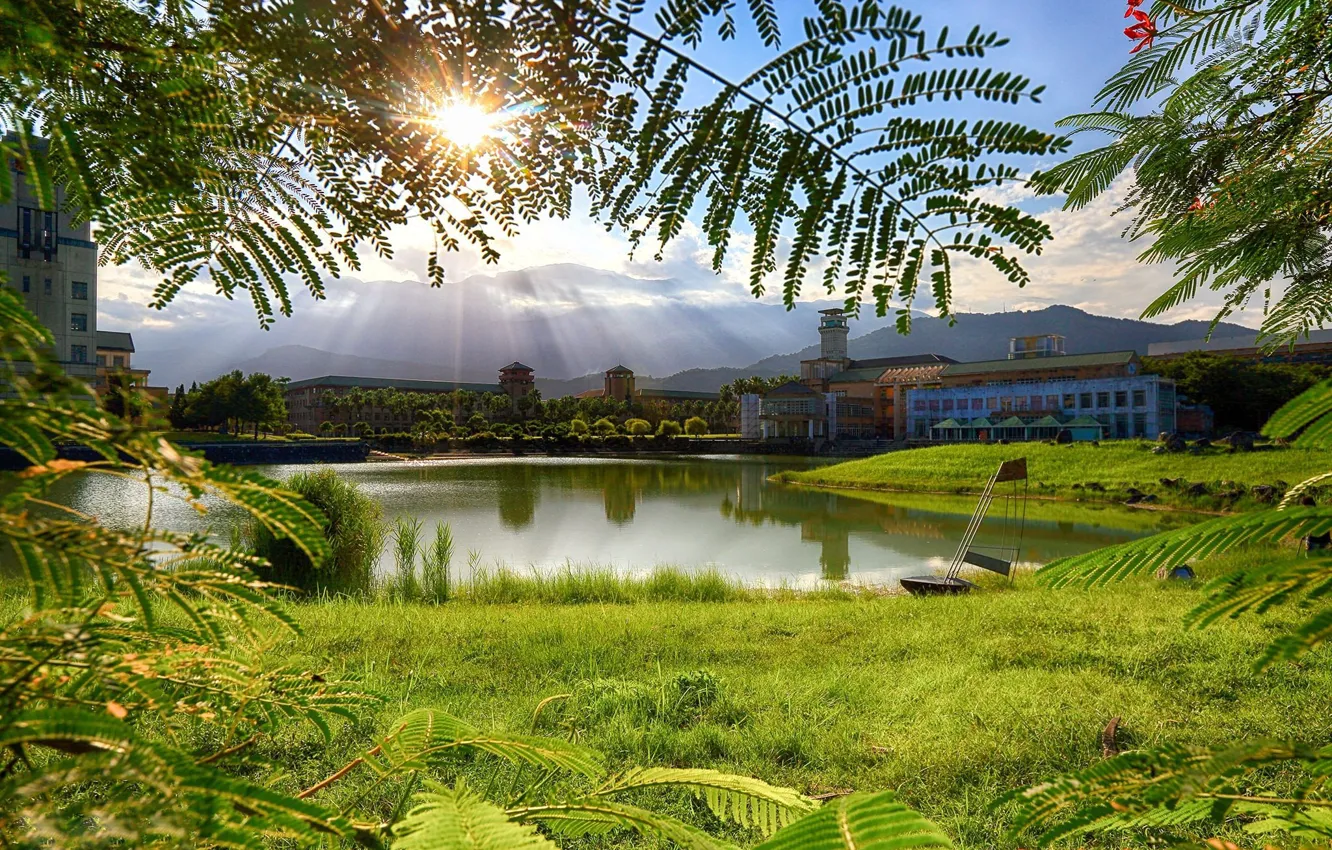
[997, 559]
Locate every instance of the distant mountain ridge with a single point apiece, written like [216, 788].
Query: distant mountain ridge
[976, 336]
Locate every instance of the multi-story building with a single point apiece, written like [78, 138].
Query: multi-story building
[115, 353]
[620, 384]
[307, 412]
[866, 390]
[53, 262]
[1036, 396]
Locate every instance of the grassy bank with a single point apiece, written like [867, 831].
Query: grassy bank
[948, 701]
[1082, 471]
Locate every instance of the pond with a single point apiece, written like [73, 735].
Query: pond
[634, 514]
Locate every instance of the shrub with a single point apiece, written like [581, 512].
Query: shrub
[340, 429]
[603, 427]
[355, 534]
[325, 428]
[669, 428]
[696, 426]
[578, 428]
[638, 427]
[363, 429]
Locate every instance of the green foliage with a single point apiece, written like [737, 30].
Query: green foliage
[578, 428]
[869, 821]
[254, 177]
[1241, 393]
[1174, 787]
[638, 427]
[669, 428]
[405, 584]
[1223, 126]
[603, 427]
[354, 531]
[436, 560]
[107, 595]
[696, 426]
[233, 400]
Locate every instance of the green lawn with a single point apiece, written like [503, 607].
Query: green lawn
[948, 701]
[1075, 472]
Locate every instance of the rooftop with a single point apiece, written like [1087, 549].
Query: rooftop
[515, 366]
[1066, 361]
[115, 341]
[624, 370]
[404, 384]
[790, 388]
[870, 370]
[1226, 343]
[692, 395]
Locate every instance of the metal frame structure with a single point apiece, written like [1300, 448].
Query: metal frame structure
[1010, 544]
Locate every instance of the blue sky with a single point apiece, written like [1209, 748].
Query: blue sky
[1070, 46]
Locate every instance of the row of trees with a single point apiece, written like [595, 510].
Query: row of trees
[231, 402]
[1241, 394]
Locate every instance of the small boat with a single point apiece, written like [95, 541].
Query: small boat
[1010, 540]
[935, 585]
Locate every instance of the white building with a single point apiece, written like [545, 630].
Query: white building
[53, 263]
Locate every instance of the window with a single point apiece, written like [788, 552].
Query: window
[1139, 398]
[78, 353]
[978, 404]
[948, 404]
[78, 322]
[1052, 402]
[1070, 401]
[48, 236]
[1139, 424]
[1121, 398]
[1036, 402]
[78, 290]
[118, 360]
[992, 403]
[1085, 401]
[1006, 403]
[25, 229]
[27, 283]
[101, 360]
[918, 404]
[46, 286]
[1103, 400]
[1020, 402]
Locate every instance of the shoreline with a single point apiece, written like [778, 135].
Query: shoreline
[1148, 506]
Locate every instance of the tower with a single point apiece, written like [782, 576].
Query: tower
[516, 380]
[833, 333]
[620, 383]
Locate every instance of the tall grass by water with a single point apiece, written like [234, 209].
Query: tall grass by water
[580, 584]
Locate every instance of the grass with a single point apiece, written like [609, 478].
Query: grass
[601, 585]
[950, 702]
[1082, 471]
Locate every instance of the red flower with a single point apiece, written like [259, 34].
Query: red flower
[1144, 31]
[1133, 4]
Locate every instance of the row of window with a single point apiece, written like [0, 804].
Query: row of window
[37, 232]
[78, 289]
[1051, 403]
[118, 361]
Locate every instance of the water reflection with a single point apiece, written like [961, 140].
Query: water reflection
[635, 514]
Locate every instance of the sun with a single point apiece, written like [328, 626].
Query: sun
[466, 124]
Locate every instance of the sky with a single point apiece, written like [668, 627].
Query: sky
[1071, 46]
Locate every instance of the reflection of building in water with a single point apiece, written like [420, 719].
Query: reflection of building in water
[835, 548]
[517, 496]
[620, 496]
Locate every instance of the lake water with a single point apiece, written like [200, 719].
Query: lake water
[541, 513]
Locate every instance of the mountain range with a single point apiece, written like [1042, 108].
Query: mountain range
[977, 336]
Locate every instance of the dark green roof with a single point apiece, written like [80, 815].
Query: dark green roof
[950, 423]
[854, 376]
[681, 394]
[623, 369]
[115, 341]
[790, 388]
[1067, 361]
[515, 366]
[404, 384]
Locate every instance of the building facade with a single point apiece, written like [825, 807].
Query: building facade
[52, 262]
[793, 411]
[1124, 406]
[307, 411]
[115, 354]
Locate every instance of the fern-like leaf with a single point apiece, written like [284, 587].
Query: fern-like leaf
[749, 802]
[860, 822]
[459, 818]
